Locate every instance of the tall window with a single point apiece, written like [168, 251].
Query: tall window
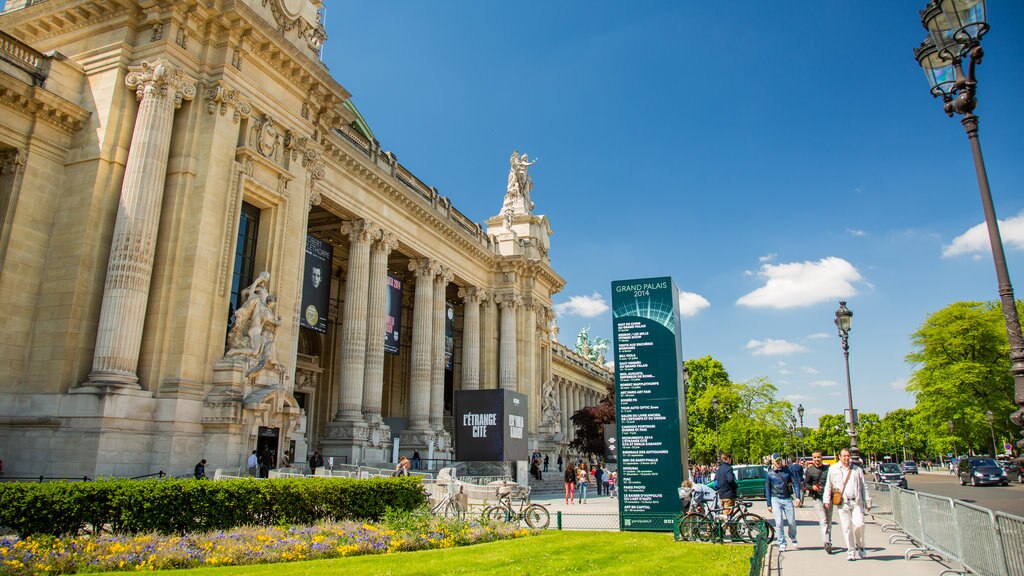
[245, 257]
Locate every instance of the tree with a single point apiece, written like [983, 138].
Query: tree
[963, 370]
[704, 374]
[831, 436]
[757, 419]
[589, 423]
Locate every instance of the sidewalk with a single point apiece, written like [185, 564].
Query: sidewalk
[883, 558]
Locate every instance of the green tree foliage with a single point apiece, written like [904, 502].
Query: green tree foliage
[704, 374]
[757, 420]
[831, 436]
[962, 370]
[589, 423]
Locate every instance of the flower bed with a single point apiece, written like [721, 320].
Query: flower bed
[399, 532]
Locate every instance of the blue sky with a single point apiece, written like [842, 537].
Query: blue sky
[773, 162]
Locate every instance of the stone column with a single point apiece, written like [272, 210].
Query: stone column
[563, 403]
[353, 328]
[531, 386]
[422, 339]
[488, 331]
[471, 338]
[507, 377]
[438, 365]
[373, 375]
[160, 88]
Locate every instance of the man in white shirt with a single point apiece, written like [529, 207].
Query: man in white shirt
[253, 465]
[848, 479]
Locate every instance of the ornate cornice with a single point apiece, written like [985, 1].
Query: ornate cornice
[220, 96]
[43, 105]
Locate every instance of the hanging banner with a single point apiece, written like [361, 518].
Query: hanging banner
[650, 402]
[316, 286]
[449, 337]
[393, 311]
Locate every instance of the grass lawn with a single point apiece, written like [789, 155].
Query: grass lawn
[553, 552]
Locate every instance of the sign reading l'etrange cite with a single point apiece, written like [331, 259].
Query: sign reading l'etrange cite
[490, 426]
[650, 402]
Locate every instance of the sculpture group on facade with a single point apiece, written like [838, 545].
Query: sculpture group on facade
[550, 412]
[255, 326]
[517, 198]
[593, 351]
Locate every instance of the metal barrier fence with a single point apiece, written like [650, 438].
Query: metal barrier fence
[984, 542]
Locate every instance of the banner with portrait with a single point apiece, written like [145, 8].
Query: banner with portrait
[316, 284]
[449, 337]
[393, 318]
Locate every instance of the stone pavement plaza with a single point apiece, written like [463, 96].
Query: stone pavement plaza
[883, 558]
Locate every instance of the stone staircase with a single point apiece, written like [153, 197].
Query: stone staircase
[554, 484]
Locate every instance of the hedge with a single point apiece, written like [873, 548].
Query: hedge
[182, 506]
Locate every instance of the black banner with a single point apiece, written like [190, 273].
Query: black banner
[490, 426]
[316, 286]
[393, 318]
[449, 337]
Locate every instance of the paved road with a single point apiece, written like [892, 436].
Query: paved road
[1008, 499]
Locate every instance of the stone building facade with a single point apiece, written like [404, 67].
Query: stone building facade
[156, 158]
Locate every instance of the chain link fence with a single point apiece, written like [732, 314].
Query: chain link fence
[983, 542]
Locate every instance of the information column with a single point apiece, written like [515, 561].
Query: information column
[650, 402]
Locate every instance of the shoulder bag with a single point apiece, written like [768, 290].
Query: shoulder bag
[837, 495]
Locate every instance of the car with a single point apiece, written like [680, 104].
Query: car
[909, 467]
[981, 471]
[749, 480]
[891, 473]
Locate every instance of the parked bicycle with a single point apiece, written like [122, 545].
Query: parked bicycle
[535, 515]
[449, 505]
[706, 523]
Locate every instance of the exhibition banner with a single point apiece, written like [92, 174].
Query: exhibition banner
[650, 402]
[490, 426]
[393, 318]
[316, 285]
[449, 337]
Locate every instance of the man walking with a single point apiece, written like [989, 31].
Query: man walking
[253, 464]
[815, 478]
[848, 480]
[725, 481]
[781, 492]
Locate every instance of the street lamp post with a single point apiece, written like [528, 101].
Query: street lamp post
[955, 29]
[800, 411]
[951, 433]
[718, 448]
[991, 418]
[843, 321]
[906, 440]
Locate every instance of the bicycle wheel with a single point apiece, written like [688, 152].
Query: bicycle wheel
[496, 514]
[537, 516]
[696, 527]
[753, 525]
[452, 509]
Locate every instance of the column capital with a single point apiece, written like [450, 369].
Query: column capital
[509, 300]
[472, 294]
[161, 79]
[386, 242]
[425, 268]
[444, 275]
[360, 231]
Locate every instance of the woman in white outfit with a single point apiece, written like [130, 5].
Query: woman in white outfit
[848, 480]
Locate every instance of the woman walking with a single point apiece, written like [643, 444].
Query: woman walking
[581, 484]
[570, 484]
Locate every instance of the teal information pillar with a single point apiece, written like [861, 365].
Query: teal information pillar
[650, 402]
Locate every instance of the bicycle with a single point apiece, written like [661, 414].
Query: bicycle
[707, 524]
[448, 505]
[535, 515]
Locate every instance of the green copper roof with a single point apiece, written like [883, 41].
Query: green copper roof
[359, 123]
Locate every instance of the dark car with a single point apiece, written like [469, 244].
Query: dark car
[909, 467]
[981, 472]
[891, 474]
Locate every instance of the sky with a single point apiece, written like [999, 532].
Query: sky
[772, 162]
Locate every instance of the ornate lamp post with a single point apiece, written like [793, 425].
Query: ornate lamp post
[991, 418]
[714, 406]
[843, 320]
[955, 29]
[800, 412]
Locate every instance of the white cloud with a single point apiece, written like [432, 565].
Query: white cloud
[818, 336]
[803, 284]
[795, 397]
[824, 383]
[975, 241]
[856, 233]
[772, 347]
[768, 257]
[691, 303]
[899, 384]
[585, 306]
[814, 411]
[808, 370]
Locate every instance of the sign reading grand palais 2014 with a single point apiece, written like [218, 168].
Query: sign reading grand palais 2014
[650, 402]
